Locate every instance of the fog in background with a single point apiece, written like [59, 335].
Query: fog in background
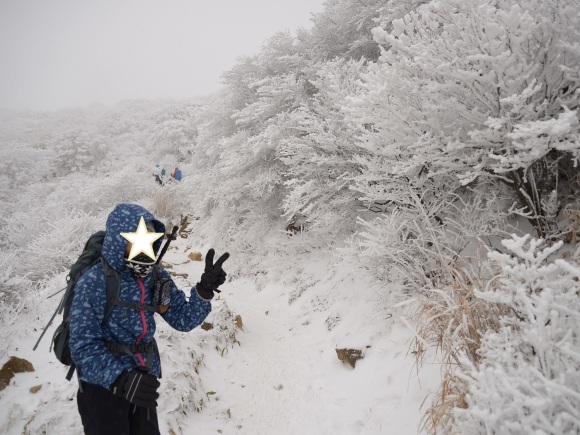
[66, 53]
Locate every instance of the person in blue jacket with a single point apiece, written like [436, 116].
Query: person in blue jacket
[117, 360]
[177, 175]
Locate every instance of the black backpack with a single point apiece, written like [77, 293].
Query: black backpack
[90, 256]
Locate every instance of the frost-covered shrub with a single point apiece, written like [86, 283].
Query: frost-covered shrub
[77, 151]
[12, 289]
[318, 151]
[421, 235]
[173, 201]
[11, 282]
[224, 334]
[343, 30]
[58, 243]
[6, 267]
[478, 89]
[22, 165]
[172, 135]
[528, 377]
[183, 391]
[239, 197]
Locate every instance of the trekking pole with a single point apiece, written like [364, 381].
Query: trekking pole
[170, 237]
[54, 294]
[50, 321]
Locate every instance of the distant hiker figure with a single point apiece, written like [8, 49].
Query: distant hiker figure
[159, 174]
[176, 174]
[117, 359]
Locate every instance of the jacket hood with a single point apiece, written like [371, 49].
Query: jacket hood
[125, 219]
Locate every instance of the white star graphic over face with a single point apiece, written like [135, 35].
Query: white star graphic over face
[141, 240]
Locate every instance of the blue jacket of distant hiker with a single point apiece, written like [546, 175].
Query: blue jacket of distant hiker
[126, 326]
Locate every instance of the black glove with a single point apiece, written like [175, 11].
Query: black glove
[213, 276]
[137, 387]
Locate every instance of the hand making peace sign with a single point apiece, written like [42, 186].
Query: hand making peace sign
[213, 275]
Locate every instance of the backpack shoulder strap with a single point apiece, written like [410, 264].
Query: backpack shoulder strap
[113, 288]
[70, 372]
[157, 272]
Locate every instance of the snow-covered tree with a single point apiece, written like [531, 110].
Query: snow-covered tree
[319, 153]
[78, 150]
[173, 136]
[479, 89]
[279, 81]
[239, 136]
[343, 30]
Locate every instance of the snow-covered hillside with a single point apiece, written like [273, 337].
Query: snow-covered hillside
[278, 374]
[402, 179]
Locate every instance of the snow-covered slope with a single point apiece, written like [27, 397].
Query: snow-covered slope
[279, 374]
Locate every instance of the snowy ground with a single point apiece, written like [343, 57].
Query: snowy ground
[285, 377]
[282, 378]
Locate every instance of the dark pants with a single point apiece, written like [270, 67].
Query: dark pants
[103, 413]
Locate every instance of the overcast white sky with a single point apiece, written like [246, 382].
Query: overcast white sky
[63, 53]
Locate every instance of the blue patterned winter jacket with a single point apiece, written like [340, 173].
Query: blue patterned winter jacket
[95, 364]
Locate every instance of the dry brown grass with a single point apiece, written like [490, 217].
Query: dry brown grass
[452, 320]
[162, 203]
[573, 218]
